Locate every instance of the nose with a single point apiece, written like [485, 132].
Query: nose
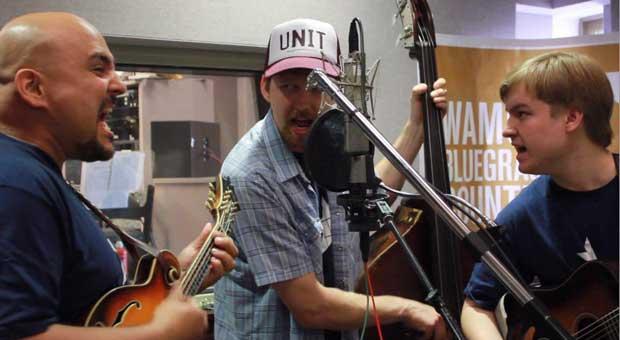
[510, 130]
[117, 87]
[308, 100]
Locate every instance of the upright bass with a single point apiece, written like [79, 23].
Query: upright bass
[436, 247]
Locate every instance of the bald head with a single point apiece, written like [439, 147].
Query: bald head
[57, 85]
[25, 41]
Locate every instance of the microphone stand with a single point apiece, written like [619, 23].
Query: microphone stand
[363, 205]
[318, 79]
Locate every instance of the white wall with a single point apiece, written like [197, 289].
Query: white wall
[490, 18]
[533, 26]
[248, 22]
[565, 27]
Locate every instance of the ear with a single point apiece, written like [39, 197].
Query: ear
[573, 119]
[28, 85]
[264, 87]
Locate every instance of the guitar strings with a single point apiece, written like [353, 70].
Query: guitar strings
[600, 327]
[601, 322]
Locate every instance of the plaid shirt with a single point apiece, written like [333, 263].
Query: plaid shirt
[278, 231]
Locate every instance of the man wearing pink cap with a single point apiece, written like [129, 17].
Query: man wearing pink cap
[298, 262]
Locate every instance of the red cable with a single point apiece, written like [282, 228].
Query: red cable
[374, 308]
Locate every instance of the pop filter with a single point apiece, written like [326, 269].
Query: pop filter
[324, 156]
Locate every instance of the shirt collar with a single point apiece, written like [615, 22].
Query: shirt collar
[32, 149]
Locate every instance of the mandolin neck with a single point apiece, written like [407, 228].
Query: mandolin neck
[191, 282]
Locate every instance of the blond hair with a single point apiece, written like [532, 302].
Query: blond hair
[568, 80]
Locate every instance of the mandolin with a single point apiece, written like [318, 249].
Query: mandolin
[135, 304]
[585, 304]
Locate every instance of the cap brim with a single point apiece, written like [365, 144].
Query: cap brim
[303, 62]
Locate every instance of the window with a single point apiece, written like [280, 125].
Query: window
[592, 26]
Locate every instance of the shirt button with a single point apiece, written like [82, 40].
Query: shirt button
[339, 248]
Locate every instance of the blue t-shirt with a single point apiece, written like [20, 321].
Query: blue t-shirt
[550, 231]
[54, 259]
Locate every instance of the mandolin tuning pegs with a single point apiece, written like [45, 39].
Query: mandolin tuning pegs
[210, 203]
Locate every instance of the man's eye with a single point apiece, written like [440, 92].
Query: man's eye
[99, 69]
[288, 87]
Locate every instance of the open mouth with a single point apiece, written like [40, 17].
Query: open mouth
[303, 123]
[103, 114]
[102, 120]
[301, 127]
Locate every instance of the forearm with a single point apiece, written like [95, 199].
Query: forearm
[63, 332]
[347, 310]
[478, 323]
[408, 145]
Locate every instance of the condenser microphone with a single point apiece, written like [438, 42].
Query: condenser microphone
[354, 82]
[336, 139]
[355, 87]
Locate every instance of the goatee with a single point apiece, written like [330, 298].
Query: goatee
[92, 151]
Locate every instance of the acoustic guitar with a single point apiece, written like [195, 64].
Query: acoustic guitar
[585, 304]
[135, 304]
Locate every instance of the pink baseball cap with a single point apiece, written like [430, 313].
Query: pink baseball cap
[303, 43]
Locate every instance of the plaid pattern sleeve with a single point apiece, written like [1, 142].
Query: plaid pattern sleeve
[273, 246]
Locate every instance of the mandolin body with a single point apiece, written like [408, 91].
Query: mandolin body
[134, 305]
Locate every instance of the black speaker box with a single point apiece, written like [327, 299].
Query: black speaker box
[185, 149]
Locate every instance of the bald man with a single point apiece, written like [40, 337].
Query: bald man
[57, 86]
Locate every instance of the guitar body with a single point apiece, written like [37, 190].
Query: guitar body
[134, 305]
[588, 295]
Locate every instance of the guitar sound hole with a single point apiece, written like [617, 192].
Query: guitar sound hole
[584, 320]
[120, 316]
[588, 328]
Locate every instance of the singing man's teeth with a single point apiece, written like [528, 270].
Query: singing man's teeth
[302, 122]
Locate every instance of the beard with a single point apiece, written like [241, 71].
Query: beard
[92, 151]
